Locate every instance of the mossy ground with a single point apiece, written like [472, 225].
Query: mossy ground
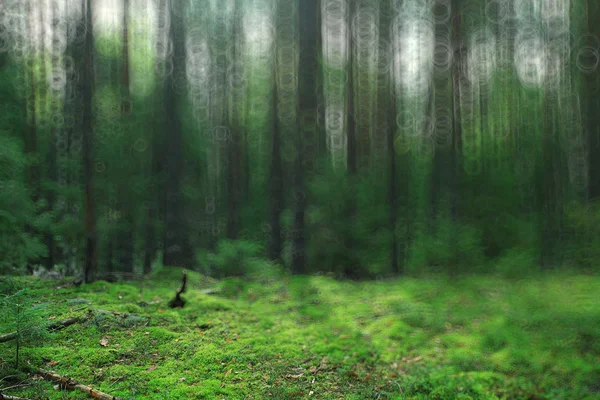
[314, 337]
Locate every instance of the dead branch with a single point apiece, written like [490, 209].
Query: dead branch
[7, 397]
[52, 327]
[178, 302]
[72, 384]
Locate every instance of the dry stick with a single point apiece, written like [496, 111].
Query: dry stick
[72, 384]
[7, 397]
[52, 327]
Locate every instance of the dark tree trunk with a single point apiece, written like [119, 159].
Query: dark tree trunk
[309, 32]
[393, 218]
[175, 239]
[234, 152]
[350, 268]
[385, 130]
[276, 197]
[126, 227]
[456, 151]
[87, 94]
[592, 82]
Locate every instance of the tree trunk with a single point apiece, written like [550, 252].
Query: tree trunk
[126, 227]
[592, 83]
[276, 197]
[309, 32]
[456, 151]
[234, 153]
[174, 240]
[87, 94]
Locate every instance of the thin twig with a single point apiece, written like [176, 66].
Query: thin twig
[16, 386]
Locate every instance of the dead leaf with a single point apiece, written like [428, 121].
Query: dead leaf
[52, 363]
[294, 376]
[181, 379]
[120, 297]
[104, 342]
[312, 369]
[52, 317]
[228, 373]
[152, 368]
[265, 377]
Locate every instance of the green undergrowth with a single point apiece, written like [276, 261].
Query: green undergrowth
[315, 337]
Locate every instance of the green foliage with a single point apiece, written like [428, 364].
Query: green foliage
[517, 263]
[454, 247]
[18, 313]
[233, 258]
[18, 245]
[583, 226]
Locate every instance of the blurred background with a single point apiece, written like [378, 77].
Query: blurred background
[360, 138]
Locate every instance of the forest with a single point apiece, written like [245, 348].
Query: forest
[336, 199]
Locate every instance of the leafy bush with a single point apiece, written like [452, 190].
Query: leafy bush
[455, 247]
[516, 263]
[18, 245]
[232, 258]
[582, 222]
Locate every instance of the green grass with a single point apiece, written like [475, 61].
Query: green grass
[314, 337]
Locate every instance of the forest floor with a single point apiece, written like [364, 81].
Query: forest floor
[315, 337]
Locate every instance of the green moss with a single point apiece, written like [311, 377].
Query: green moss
[430, 338]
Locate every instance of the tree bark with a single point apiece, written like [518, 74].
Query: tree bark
[87, 87]
[276, 178]
[174, 239]
[309, 32]
[234, 153]
[350, 267]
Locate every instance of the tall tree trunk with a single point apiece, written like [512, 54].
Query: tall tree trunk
[592, 82]
[456, 151]
[175, 232]
[308, 11]
[155, 200]
[87, 95]
[350, 267]
[393, 218]
[126, 228]
[234, 152]
[52, 150]
[276, 197]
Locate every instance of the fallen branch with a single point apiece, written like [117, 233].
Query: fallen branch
[52, 327]
[178, 302]
[7, 397]
[72, 384]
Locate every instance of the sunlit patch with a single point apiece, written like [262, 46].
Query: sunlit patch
[482, 56]
[530, 61]
[413, 56]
